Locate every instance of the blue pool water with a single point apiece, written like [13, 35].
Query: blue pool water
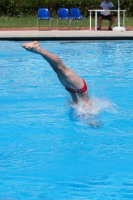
[48, 149]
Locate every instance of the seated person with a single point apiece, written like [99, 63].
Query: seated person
[106, 5]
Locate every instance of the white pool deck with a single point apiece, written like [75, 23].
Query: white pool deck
[64, 35]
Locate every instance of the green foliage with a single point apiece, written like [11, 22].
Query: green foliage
[29, 7]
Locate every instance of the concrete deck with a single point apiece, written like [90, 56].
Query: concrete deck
[34, 34]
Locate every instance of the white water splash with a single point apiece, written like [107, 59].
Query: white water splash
[91, 117]
[98, 106]
[102, 105]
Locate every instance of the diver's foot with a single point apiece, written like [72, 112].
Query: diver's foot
[32, 46]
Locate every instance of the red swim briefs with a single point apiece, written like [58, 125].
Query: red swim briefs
[84, 89]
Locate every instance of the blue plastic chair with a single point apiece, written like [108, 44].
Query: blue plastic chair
[63, 14]
[43, 14]
[76, 15]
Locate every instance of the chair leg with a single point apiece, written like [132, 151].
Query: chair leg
[57, 24]
[80, 24]
[50, 24]
[69, 24]
[38, 24]
[74, 22]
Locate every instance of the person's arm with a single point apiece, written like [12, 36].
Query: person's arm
[101, 6]
[112, 7]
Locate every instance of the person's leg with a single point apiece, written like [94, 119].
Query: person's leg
[66, 76]
[74, 97]
[112, 19]
[99, 22]
[52, 59]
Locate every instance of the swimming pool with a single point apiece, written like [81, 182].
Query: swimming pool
[47, 148]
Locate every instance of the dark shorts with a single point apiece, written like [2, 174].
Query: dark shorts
[108, 17]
